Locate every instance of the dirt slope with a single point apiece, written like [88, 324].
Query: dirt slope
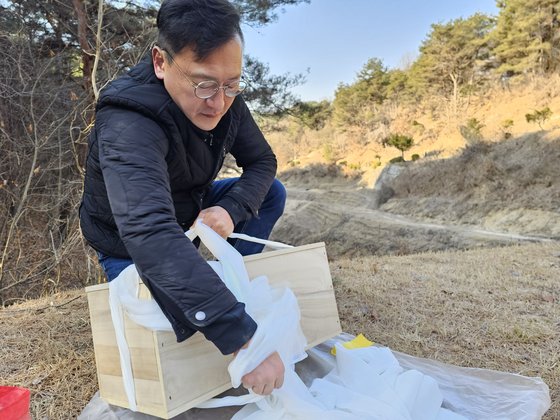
[511, 186]
[491, 194]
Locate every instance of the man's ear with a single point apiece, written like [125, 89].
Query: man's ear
[158, 59]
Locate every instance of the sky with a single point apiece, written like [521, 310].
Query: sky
[333, 39]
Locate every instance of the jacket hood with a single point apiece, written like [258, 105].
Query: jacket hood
[139, 89]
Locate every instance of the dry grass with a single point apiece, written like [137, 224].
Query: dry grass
[47, 347]
[493, 308]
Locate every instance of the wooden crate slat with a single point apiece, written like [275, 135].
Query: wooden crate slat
[172, 377]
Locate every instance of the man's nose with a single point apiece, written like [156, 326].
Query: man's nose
[217, 101]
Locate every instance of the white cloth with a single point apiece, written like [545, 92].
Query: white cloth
[367, 383]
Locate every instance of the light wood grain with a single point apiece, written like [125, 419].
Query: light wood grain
[305, 270]
[172, 377]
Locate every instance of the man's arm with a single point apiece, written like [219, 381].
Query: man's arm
[132, 158]
[254, 155]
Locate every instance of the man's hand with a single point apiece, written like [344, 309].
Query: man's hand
[218, 219]
[266, 376]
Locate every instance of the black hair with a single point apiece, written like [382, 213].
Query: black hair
[203, 25]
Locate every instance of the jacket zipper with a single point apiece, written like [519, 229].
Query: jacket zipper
[219, 163]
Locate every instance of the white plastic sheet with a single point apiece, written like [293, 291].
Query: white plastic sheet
[471, 392]
[364, 384]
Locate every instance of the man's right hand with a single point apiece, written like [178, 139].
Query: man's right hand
[265, 377]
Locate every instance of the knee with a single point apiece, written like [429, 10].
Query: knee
[278, 190]
[277, 195]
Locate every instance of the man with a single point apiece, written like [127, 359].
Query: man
[160, 137]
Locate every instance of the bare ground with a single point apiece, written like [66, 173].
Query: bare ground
[343, 218]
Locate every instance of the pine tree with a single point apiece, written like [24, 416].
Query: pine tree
[357, 103]
[452, 55]
[399, 141]
[527, 36]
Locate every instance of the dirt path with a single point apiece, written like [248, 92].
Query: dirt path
[343, 217]
[467, 231]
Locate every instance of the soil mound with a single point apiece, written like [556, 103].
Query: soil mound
[511, 186]
[491, 194]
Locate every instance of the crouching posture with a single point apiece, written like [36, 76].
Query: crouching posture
[160, 137]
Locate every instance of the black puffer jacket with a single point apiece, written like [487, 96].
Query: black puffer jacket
[148, 169]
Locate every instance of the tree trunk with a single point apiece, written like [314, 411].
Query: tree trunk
[98, 45]
[455, 81]
[87, 55]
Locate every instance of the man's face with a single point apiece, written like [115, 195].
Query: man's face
[223, 66]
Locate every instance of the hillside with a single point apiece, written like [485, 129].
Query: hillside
[511, 186]
[434, 128]
[457, 195]
[491, 194]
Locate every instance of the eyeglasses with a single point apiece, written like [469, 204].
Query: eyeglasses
[208, 88]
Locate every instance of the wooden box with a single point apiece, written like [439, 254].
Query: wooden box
[172, 377]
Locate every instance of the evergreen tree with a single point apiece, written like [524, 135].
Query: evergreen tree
[268, 93]
[356, 104]
[69, 30]
[399, 141]
[527, 36]
[261, 12]
[312, 114]
[453, 54]
[398, 84]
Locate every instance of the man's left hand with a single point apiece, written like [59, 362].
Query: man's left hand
[218, 219]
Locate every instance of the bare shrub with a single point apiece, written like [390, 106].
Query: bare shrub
[41, 137]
